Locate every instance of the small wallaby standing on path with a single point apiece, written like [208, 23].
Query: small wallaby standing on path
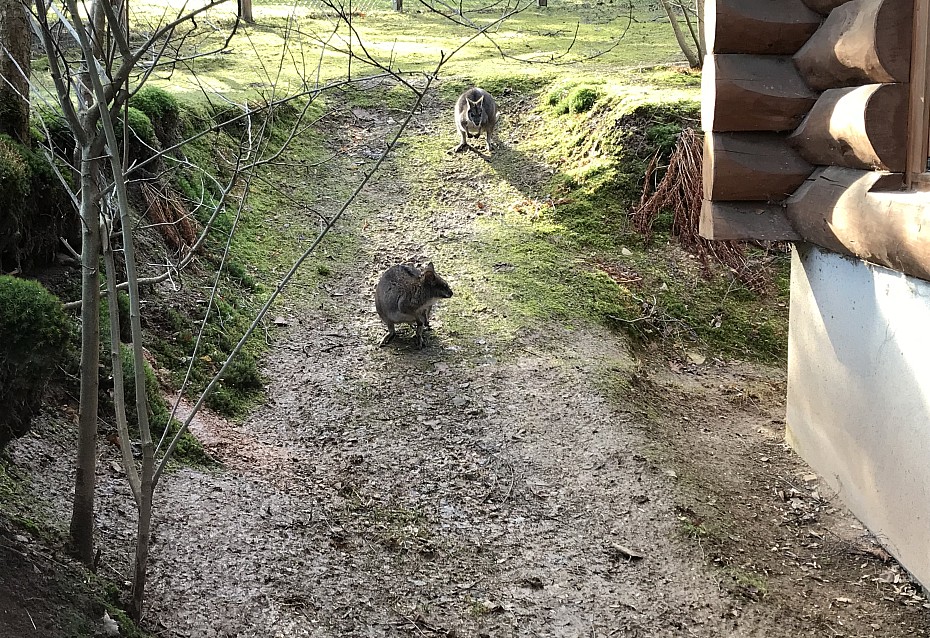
[405, 295]
[475, 113]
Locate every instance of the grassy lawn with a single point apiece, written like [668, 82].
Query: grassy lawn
[606, 41]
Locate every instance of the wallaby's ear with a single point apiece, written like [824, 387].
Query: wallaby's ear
[429, 272]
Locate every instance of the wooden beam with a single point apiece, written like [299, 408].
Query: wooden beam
[861, 42]
[863, 127]
[824, 6]
[751, 167]
[725, 221]
[918, 125]
[859, 213]
[766, 27]
[753, 93]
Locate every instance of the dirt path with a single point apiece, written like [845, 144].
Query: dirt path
[533, 482]
[443, 489]
[475, 487]
[479, 487]
[467, 487]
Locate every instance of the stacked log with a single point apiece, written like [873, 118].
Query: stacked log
[791, 87]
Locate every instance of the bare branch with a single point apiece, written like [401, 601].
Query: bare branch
[43, 31]
[119, 398]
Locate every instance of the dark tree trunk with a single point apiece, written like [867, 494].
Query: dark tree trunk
[82, 515]
[14, 69]
[245, 11]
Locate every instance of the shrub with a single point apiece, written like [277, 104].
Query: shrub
[156, 103]
[34, 209]
[243, 374]
[578, 99]
[664, 136]
[241, 383]
[161, 108]
[14, 175]
[558, 100]
[581, 99]
[35, 335]
[139, 124]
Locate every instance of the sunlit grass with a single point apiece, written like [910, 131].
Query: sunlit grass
[291, 48]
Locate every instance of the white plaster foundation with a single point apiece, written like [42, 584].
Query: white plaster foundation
[859, 393]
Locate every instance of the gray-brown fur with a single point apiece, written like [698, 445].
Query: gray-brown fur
[406, 295]
[475, 114]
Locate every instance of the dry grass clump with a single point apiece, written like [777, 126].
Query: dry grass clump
[681, 191]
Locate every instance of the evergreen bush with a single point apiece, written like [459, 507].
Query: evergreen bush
[35, 333]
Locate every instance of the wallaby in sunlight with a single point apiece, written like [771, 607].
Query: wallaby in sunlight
[406, 295]
[475, 113]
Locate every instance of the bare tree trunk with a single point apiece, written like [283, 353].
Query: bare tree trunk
[692, 57]
[695, 38]
[82, 516]
[702, 37]
[143, 491]
[143, 530]
[98, 26]
[245, 11]
[15, 40]
[145, 498]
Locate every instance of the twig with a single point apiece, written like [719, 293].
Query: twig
[410, 621]
[71, 250]
[334, 346]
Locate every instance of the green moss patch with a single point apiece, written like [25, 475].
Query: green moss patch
[35, 335]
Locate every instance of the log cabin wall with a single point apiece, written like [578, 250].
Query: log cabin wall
[794, 91]
[817, 117]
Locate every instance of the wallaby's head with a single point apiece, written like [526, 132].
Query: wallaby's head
[476, 112]
[434, 286]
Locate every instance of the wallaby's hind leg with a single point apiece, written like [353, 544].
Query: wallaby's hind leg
[490, 146]
[419, 335]
[388, 337]
[464, 145]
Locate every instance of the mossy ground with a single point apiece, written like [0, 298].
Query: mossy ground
[609, 37]
[558, 208]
